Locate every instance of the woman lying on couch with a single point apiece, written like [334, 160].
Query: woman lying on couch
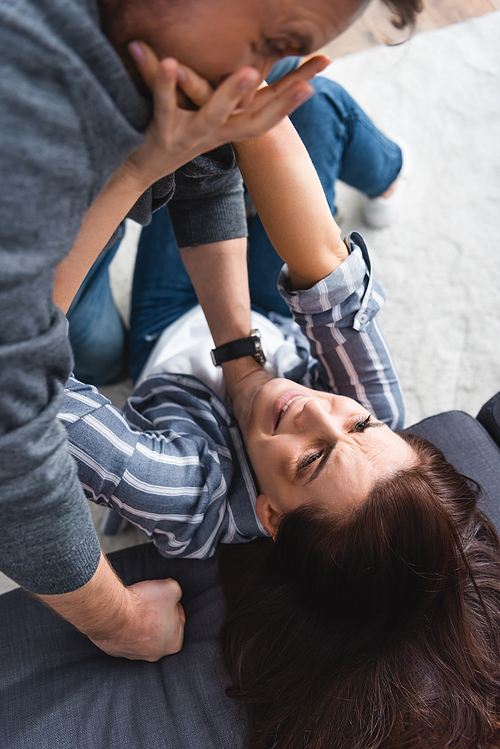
[371, 616]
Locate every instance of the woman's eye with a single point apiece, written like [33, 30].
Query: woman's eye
[361, 425]
[310, 459]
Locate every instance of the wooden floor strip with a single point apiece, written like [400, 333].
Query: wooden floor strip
[374, 26]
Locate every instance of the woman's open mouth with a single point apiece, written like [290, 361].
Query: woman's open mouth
[283, 404]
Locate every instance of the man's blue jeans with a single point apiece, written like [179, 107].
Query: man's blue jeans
[343, 144]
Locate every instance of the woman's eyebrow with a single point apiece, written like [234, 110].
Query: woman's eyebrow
[329, 450]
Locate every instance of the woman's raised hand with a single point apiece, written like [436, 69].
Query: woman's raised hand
[235, 111]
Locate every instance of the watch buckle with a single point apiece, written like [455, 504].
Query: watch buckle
[259, 355]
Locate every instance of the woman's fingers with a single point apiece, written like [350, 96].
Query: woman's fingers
[304, 73]
[252, 124]
[226, 100]
[165, 87]
[146, 61]
[194, 86]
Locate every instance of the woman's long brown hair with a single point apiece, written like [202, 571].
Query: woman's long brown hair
[377, 629]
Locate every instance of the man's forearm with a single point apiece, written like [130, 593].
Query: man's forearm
[96, 608]
[219, 275]
[141, 622]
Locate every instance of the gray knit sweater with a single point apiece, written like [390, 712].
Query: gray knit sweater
[69, 115]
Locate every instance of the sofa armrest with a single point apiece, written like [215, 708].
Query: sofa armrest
[489, 417]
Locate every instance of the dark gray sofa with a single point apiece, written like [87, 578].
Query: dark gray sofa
[58, 691]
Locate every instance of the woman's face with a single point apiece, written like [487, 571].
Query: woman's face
[309, 447]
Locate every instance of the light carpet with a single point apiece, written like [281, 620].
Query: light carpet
[439, 262]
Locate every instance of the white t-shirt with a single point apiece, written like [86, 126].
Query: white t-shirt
[184, 348]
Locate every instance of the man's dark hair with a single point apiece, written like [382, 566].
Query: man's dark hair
[404, 12]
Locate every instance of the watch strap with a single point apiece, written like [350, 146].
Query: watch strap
[250, 346]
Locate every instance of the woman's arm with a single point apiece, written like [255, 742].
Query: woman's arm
[339, 317]
[290, 201]
[331, 293]
[100, 222]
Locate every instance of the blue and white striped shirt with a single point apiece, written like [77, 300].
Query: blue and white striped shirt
[174, 462]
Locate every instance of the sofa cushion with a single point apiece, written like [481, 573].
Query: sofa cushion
[59, 691]
[472, 451]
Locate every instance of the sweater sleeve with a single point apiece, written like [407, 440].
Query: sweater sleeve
[48, 541]
[205, 199]
[339, 317]
[209, 207]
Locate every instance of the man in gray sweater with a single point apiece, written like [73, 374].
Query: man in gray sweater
[72, 109]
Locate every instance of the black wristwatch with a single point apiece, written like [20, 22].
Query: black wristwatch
[250, 346]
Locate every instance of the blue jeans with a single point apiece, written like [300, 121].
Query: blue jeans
[97, 334]
[342, 142]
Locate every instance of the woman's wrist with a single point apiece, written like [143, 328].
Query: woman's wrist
[131, 179]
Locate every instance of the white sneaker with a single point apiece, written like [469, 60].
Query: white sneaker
[380, 212]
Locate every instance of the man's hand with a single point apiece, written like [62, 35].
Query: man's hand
[155, 626]
[235, 111]
[142, 622]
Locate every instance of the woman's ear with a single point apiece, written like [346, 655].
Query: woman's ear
[267, 513]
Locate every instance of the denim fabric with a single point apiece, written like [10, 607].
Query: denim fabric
[343, 144]
[162, 290]
[282, 67]
[96, 331]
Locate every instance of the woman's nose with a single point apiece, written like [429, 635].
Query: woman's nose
[315, 414]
